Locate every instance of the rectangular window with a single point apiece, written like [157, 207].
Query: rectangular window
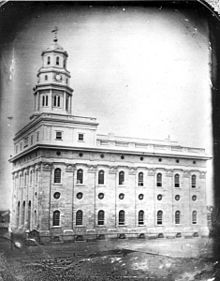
[32, 138]
[38, 136]
[58, 135]
[80, 137]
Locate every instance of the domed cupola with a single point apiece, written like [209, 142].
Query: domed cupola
[52, 92]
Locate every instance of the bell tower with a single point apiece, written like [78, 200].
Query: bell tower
[52, 93]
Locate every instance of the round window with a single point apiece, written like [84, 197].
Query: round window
[141, 158]
[102, 155]
[56, 195]
[80, 154]
[79, 195]
[141, 196]
[122, 157]
[177, 197]
[159, 197]
[101, 195]
[194, 197]
[121, 196]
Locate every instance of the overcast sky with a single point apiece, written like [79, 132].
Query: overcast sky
[142, 72]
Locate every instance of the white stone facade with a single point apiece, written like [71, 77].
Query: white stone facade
[70, 181]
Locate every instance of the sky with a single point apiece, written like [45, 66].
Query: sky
[142, 72]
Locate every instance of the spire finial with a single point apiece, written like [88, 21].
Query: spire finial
[55, 30]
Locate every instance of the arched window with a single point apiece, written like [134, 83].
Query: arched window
[48, 60]
[101, 217]
[29, 215]
[18, 214]
[23, 213]
[140, 179]
[80, 176]
[159, 217]
[177, 217]
[79, 217]
[31, 177]
[193, 181]
[121, 178]
[25, 179]
[141, 217]
[121, 217]
[57, 175]
[57, 60]
[194, 217]
[56, 101]
[43, 100]
[159, 179]
[101, 177]
[56, 218]
[20, 180]
[177, 180]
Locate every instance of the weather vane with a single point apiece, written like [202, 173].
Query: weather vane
[55, 30]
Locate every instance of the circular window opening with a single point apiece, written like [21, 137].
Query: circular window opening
[122, 157]
[141, 158]
[194, 162]
[177, 160]
[56, 195]
[80, 154]
[79, 195]
[194, 197]
[159, 197]
[177, 197]
[141, 196]
[160, 159]
[101, 195]
[58, 153]
[102, 155]
[121, 196]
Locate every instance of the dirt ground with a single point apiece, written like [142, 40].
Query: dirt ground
[139, 259]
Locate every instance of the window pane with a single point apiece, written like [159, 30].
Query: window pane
[159, 217]
[140, 179]
[141, 217]
[101, 217]
[57, 175]
[79, 217]
[101, 177]
[56, 218]
[159, 179]
[121, 220]
[121, 178]
[80, 176]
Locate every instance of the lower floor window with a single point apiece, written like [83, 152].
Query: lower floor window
[101, 217]
[121, 218]
[79, 217]
[141, 217]
[56, 218]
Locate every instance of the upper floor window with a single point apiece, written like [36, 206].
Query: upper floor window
[80, 137]
[56, 101]
[141, 179]
[121, 178]
[101, 217]
[48, 60]
[57, 175]
[58, 135]
[141, 217]
[101, 176]
[64, 63]
[159, 217]
[159, 179]
[121, 217]
[32, 139]
[80, 176]
[16, 148]
[177, 180]
[25, 178]
[44, 100]
[79, 217]
[31, 177]
[57, 60]
[46, 77]
[25, 141]
[194, 217]
[177, 217]
[56, 218]
[38, 136]
[193, 181]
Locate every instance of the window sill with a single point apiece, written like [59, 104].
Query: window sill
[58, 183]
[80, 226]
[122, 225]
[80, 184]
[58, 139]
[101, 185]
[56, 226]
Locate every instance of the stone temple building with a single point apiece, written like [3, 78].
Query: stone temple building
[71, 183]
